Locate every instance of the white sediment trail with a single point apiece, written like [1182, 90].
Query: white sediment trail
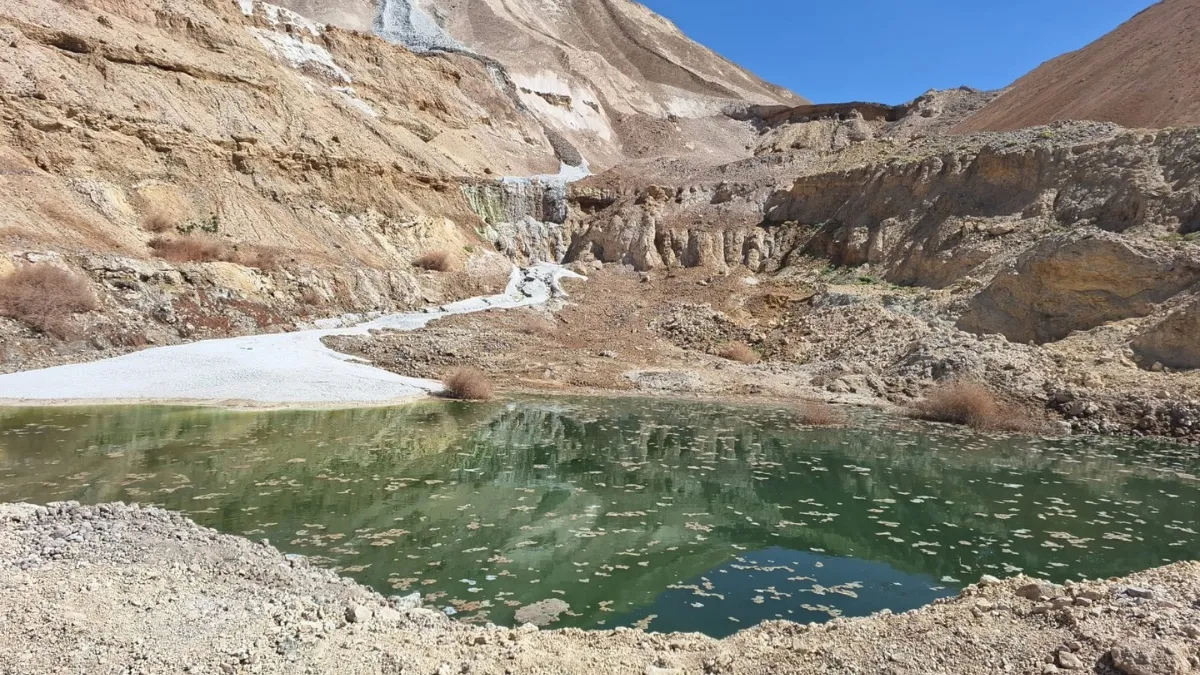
[264, 370]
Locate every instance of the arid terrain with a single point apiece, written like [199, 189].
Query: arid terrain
[180, 170]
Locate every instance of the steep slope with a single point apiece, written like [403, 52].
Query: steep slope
[608, 74]
[1143, 74]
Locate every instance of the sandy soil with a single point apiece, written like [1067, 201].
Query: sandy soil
[114, 588]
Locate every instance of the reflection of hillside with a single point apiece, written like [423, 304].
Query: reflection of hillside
[573, 495]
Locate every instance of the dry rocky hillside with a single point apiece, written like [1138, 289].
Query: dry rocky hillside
[214, 168]
[1140, 75]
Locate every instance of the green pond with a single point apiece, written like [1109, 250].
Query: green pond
[663, 514]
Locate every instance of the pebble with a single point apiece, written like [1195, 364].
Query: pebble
[1069, 661]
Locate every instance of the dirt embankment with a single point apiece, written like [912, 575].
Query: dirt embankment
[114, 588]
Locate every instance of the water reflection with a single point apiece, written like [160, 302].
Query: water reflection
[628, 509]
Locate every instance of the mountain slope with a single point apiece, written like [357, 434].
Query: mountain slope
[1143, 74]
[604, 73]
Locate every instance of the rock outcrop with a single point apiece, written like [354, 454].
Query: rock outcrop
[1173, 342]
[1076, 282]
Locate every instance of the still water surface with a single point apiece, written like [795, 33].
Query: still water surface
[668, 515]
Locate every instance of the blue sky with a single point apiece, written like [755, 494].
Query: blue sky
[892, 51]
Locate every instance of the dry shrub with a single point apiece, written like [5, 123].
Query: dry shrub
[158, 221]
[740, 352]
[260, 257]
[435, 261]
[191, 248]
[817, 414]
[974, 405]
[311, 297]
[44, 297]
[468, 384]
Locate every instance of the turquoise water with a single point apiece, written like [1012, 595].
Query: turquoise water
[669, 515]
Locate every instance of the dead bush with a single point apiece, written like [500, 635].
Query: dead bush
[158, 221]
[45, 297]
[468, 384]
[260, 257]
[435, 261]
[740, 352]
[192, 248]
[311, 297]
[817, 414]
[975, 405]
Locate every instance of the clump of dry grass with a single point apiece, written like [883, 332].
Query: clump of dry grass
[205, 248]
[435, 261]
[192, 248]
[975, 405]
[45, 297]
[158, 221]
[817, 414]
[468, 384]
[260, 257]
[740, 352]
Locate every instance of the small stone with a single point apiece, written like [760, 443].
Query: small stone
[1135, 592]
[1193, 632]
[988, 580]
[1042, 608]
[1069, 661]
[528, 628]
[357, 614]
[1036, 592]
[655, 670]
[1083, 602]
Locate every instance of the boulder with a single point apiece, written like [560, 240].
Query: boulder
[1172, 342]
[1075, 282]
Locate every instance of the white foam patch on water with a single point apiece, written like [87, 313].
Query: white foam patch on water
[283, 368]
[297, 53]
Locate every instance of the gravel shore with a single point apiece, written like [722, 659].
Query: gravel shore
[127, 589]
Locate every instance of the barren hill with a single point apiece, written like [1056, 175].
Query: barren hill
[1143, 74]
[605, 73]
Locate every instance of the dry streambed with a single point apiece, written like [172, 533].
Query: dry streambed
[116, 588]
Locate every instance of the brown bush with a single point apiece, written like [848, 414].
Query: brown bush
[468, 384]
[975, 405]
[158, 221]
[44, 297]
[817, 414]
[311, 297]
[435, 261]
[260, 257]
[192, 248]
[739, 351]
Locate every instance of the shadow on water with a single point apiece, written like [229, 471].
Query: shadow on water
[678, 515]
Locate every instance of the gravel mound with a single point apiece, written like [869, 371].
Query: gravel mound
[122, 588]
